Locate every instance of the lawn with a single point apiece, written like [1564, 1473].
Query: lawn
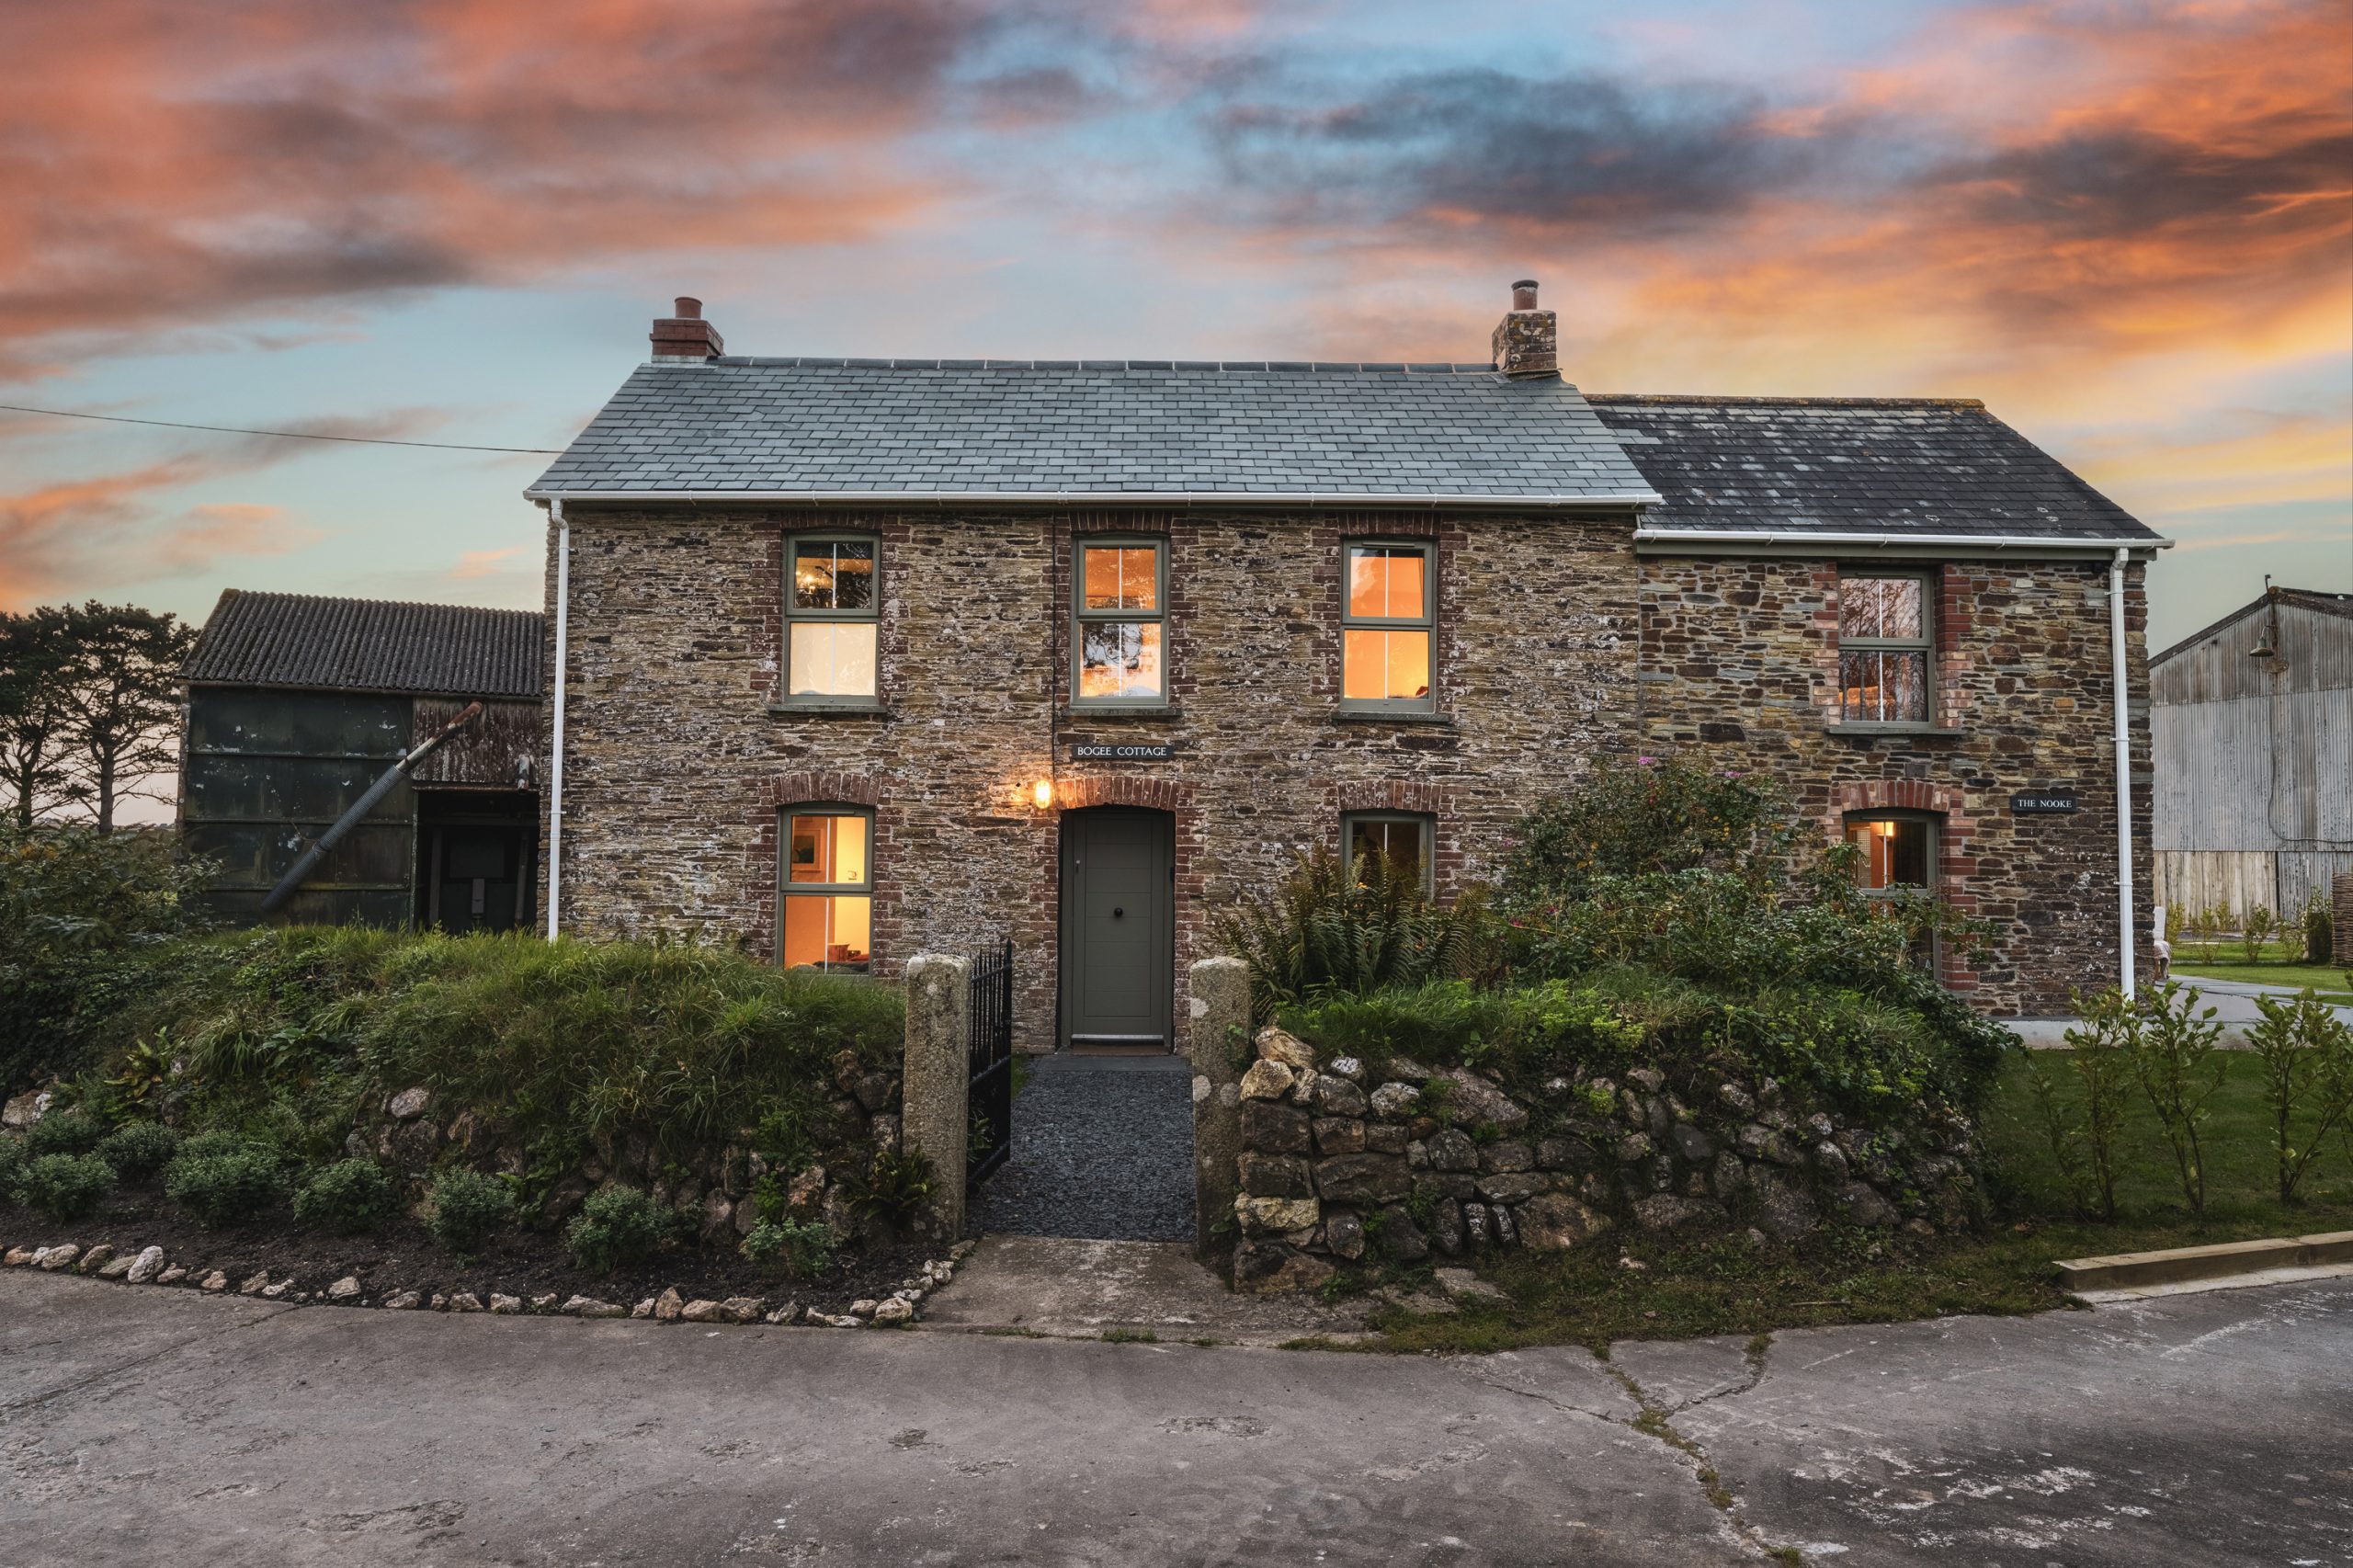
[2329, 982]
[1724, 1285]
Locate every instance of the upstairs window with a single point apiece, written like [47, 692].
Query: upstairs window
[1387, 629]
[1884, 640]
[1402, 839]
[1119, 644]
[826, 889]
[831, 616]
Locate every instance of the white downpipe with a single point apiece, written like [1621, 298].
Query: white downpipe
[2123, 774]
[555, 762]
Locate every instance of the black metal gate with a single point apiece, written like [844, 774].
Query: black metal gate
[989, 1094]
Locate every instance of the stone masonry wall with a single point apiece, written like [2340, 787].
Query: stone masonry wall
[1739, 670]
[1342, 1163]
[678, 759]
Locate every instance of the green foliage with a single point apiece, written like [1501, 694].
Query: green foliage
[1653, 815]
[2320, 930]
[80, 912]
[2084, 1131]
[137, 1150]
[2308, 1080]
[221, 1181]
[66, 1187]
[12, 1167]
[2175, 1056]
[678, 1045]
[893, 1186]
[1323, 931]
[800, 1250]
[2258, 926]
[466, 1207]
[63, 1132]
[615, 1228]
[350, 1196]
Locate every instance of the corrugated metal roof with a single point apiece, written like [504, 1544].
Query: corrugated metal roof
[1093, 430]
[297, 640]
[1893, 466]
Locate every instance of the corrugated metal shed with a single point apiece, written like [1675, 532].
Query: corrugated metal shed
[335, 644]
[2253, 797]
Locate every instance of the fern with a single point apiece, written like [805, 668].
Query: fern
[1324, 930]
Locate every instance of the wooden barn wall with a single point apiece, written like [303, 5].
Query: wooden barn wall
[495, 752]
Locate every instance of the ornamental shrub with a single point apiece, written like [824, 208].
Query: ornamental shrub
[137, 1150]
[1651, 815]
[63, 1132]
[11, 1168]
[66, 1187]
[466, 1209]
[618, 1226]
[350, 1196]
[1324, 930]
[800, 1250]
[2307, 1059]
[222, 1180]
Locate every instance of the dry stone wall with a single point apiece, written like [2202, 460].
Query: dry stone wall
[1343, 1164]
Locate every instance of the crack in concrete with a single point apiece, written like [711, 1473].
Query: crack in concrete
[1656, 1421]
[1754, 1353]
[34, 1401]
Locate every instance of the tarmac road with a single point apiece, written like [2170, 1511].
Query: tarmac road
[152, 1426]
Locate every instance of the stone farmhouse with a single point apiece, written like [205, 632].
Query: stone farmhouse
[851, 659]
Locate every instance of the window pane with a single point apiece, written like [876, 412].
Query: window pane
[1895, 852]
[1384, 667]
[1884, 688]
[1398, 843]
[1387, 580]
[827, 932]
[826, 849]
[1879, 606]
[1118, 658]
[833, 575]
[1119, 576]
[832, 658]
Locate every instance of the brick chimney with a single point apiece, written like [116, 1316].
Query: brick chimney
[685, 338]
[1528, 341]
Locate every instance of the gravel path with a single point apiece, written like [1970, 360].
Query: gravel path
[1102, 1149]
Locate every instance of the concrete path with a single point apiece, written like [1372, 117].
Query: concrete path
[144, 1425]
[1080, 1290]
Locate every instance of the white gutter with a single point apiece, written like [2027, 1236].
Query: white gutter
[1310, 498]
[555, 763]
[1932, 541]
[2123, 773]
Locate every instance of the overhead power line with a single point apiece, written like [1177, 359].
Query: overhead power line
[282, 435]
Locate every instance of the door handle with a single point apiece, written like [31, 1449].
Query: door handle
[1117, 912]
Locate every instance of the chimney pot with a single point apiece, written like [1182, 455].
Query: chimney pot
[684, 337]
[1526, 342]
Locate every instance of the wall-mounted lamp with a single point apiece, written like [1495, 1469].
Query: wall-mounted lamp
[2268, 645]
[1042, 793]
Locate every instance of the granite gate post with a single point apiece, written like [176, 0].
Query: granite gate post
[936, 1077]
[1216, 1038]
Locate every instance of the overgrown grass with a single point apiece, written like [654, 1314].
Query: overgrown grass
[292, 1033]
[1723, 1285]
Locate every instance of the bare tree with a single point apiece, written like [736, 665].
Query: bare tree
[122, 694]
[36, 654]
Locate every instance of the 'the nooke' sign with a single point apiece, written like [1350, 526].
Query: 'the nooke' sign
[2052, 802]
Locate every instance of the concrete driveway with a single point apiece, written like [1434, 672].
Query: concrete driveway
[144, 1425]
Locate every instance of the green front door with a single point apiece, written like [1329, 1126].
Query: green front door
[1119, 928]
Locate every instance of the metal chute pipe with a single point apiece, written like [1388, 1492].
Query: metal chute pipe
[301, 870]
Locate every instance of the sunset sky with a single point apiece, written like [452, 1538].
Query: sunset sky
[2129, 228]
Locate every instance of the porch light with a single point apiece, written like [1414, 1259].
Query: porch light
[1042, 793]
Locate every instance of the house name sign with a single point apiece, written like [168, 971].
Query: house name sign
[1158, 752]
[2043, 802]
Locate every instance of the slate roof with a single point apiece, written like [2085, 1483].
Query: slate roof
[296, 640]
[1047, 430]
[1941, 467]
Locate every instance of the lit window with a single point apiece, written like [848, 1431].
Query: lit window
[1397, 838]
[1899, 852]
[828, 888]
[831, 619]
[1118, 645]
[1883, 645]
[1386, 629]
